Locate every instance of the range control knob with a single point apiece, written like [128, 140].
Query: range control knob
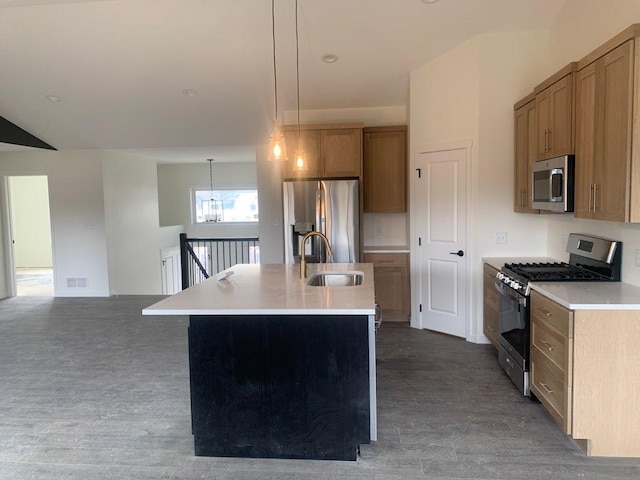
[516, 285]
[500, 275]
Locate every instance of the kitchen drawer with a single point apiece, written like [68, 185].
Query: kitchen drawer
[491, 297]
[548, 385]
[387, 259]
[552, 344]
[490, 324]
[555, 315]
[489, 275]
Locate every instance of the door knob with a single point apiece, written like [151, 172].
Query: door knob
[460, 253]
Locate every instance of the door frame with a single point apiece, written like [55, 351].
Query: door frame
[6, 213]
[415, 266]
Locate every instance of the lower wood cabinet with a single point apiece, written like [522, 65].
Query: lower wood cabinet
[584, 371]
[491, 305]
[551, 358]
[391, 276]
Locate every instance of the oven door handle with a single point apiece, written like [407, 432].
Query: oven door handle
[503, 290]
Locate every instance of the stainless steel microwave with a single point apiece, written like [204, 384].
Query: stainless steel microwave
[552, 184]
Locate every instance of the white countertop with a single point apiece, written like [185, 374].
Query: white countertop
[274, 289]
[579, 295]
[591, 295]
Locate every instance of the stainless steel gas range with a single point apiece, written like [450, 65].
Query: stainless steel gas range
[591, 258]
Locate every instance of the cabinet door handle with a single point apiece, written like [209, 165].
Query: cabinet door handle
[546, 344]
[546, 389]
[546, 140]
[550, 143]
[545, 312]
[590, 197]
[595, 190]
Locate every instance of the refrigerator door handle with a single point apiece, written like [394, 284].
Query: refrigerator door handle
[325, 225]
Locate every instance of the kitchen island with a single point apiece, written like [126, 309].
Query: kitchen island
[279, 368]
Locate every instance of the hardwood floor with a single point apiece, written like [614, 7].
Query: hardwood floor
[91, 389]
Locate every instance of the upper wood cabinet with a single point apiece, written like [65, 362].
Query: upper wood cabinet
[604, 134]
[332, 151]
[385, 169]
[554, 109]
[525, 152]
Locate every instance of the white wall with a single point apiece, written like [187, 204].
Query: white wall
[174, 195]
[77, 214]
[582, 26]
[468, 94]
[31, 223]
[132, 226]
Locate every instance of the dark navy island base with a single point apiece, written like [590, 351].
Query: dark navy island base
[293, 386]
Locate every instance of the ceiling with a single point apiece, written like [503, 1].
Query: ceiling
[120, 67]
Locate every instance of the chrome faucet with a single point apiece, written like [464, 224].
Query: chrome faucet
[303, 257]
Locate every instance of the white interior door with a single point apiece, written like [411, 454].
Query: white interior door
[441, 228]
[171, 279]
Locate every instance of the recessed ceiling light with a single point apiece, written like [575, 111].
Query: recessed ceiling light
[329, 58]
[429, 1]
[52, 98]
[190, 92]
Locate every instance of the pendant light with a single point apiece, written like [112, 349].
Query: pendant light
[300, 161]
[277, 148]
[213, 208]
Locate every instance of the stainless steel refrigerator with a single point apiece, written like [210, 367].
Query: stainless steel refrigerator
[327, 206]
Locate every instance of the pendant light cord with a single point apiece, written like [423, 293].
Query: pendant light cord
[297, 72]
[211, 176]
[273, 37]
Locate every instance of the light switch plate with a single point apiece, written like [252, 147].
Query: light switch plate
[501, 238]
[637, 257]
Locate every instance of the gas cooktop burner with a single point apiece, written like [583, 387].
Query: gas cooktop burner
[550, 272]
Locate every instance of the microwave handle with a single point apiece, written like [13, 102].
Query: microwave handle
[553, 173]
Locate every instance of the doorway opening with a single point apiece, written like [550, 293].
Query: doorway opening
[31, 235]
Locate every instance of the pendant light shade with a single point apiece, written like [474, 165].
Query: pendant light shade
[300, 162]
[277, 147]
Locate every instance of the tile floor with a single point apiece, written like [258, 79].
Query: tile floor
[91, 389]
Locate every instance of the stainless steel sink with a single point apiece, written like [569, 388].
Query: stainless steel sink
[336, 279]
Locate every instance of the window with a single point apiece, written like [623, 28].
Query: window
[239, 205]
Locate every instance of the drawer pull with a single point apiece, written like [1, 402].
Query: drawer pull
[545, 311]
[546, 389]
[546, 344]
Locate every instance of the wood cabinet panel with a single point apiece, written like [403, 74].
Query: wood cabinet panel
[332, 151]
[391, 277]
[547, 383]
[342, 152]
[310, 143]
[552, 313]
[604, 101]
[385, 169]
[491, 305]
[552, 357]
[554, 106]
[525, 155]
[585, 140]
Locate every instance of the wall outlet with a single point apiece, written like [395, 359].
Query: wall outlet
[378, 230]
[501, 238]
